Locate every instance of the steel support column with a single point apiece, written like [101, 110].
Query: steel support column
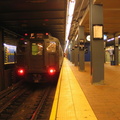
[73, 53]
[97, 45]
[76, 53]
[70, 52]
[116, 51]
[81, 37]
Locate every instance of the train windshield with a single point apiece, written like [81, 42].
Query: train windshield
[37, 48]
[51, 47]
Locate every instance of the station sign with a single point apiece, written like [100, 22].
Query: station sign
[81, 44]
[76, 46]
[98, 32]
[36, 35]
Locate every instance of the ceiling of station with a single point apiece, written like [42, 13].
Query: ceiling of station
[23, 16]
[26, 16]
[111, 16]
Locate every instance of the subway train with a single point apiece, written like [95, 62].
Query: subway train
[39, 58]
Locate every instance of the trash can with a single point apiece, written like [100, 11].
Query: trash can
[112, 62]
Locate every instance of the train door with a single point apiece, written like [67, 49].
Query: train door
[51, 53]
[36, 57]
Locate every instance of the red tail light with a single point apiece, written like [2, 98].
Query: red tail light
[51, 71]
[21, 71]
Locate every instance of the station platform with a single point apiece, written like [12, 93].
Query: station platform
[77, 99]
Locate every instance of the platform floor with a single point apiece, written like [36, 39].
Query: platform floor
[77, 99]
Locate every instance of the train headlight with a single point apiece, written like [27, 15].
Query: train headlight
[21, 71]
[51, 71]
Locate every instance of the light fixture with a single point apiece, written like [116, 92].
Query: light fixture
[69, 16]
[88, 37]
[111, 39]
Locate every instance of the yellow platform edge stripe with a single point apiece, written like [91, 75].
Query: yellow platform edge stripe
[56, 98]
[85, 111]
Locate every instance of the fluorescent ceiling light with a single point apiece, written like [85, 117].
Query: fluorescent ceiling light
[70, 11]
[111, 39]
[69, 16]
[76, 37]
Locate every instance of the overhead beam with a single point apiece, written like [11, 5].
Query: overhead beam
[85, 17]
[32, 15]
[97, 1]
[31, 11]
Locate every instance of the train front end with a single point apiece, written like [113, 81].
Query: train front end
[41, 60]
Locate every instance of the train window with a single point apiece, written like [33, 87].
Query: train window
[37, 48]
[51, 47]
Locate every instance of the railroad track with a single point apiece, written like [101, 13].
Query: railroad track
[11, 99]
[28, 104]
[40, 105]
